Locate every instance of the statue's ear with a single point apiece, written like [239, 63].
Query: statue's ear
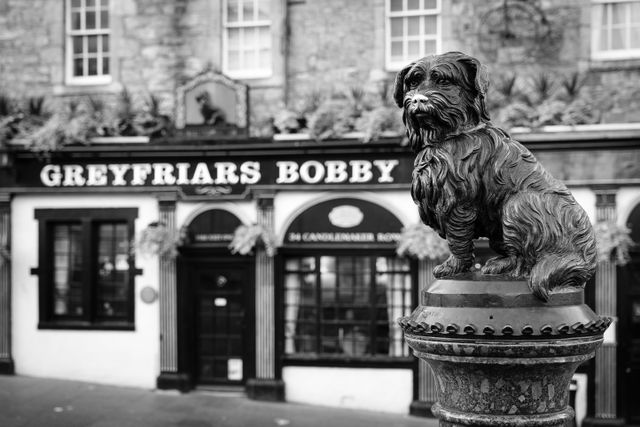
[398, 90]
[480, 73]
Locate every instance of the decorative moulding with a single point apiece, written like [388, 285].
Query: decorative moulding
[120, 140]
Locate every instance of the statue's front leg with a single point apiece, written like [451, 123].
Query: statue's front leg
[459, 231]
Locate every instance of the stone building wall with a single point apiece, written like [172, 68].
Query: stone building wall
[330, 45]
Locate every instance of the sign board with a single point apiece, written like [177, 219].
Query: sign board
[344, 221]
[212, 227]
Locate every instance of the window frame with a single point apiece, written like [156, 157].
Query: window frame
[258, 73]
[329, 359]
[606, 55]
[70, 79]
[437, 12]
[88, 219]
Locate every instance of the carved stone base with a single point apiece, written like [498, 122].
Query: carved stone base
[500, 357]
[174, 381]
[265, 389]
[7, 367]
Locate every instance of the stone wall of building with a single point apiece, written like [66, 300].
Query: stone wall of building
[329, 45]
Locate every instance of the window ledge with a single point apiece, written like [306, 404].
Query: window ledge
[70, 90]
[346, 361]
[614, 64]
[80, 325]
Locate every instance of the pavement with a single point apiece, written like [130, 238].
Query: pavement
[37, 402]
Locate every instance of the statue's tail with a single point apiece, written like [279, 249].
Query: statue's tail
[556, 271]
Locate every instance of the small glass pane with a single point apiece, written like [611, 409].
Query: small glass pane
[90, 22]
[634, 13]
[429, 47]
[113, 270]
[233, 60]
[396, 27]
[396, 51]
[232, 11]
[264, 38]
[75, 3]
[92, 44]
[430, 4]
[617, 39]
[78, 68]
[263, 9]
[77, 44]
[605, 15]
[265, 58]
[413, 4]
[635, 38]
[105, 44]
[105, 65]
[67, 271]
[618, 13]
[251, 37]
[414, 49]
[604, 40]
[233, 40]
[430, 25]
[104, 19]
[251, 59]
[76, 21]
[93, 67]
[308, 264]
[104, 4]
[247, 10]
[396, 5]
[90, 3]
[413, 24]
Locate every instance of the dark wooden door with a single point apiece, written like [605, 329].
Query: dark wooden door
[629, 336]
[222, 309]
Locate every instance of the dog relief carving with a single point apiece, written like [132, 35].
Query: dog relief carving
[471, 180]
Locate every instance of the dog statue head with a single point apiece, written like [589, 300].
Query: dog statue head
[442, 95]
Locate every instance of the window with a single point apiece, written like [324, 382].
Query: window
[86, 269]
[615, 29]
[413, 31]
[346, 305]
[87, 42]
[247, 39]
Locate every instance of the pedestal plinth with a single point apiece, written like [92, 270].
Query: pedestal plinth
[500, 356]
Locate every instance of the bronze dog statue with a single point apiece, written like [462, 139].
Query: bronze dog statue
[472, 180]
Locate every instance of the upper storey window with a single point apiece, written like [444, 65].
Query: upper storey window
[615, 29]
[413, 31]
[247, 38]
[87, 41]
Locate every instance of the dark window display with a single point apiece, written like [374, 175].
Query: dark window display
[86, 268]
[346, 305]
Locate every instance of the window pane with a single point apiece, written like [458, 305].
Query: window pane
[78, 69]
[617, 39]
[430, 4]
[90, 3]
[112, 291]
[104, 19]
[396, 51]
[413, 4]
[635, 38]
[105, 65]
[264, 58]
[76, 21]
[634, 12]
[93, 67]
[247, 10]
[263, 9]
[75, 3]
[234, 39]
[77, 45]
[92, 44]
[414, 49]
[429, 47]
[233, 61]
[396, 5]
[264, 38]
[430, 25]
[67, 271]
[618, 13]
[413, 23]
[90, 22]
[232, 11]
[396, 27]
[105, 44]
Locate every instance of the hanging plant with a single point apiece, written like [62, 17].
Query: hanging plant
[613, 242]
[158, 239]
[422, 242]
[246, 237]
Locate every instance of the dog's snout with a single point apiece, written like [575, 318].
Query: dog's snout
[419, 99]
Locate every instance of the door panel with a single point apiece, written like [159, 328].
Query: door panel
[221, 322]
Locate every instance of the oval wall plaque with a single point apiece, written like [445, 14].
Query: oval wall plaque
[345, 216]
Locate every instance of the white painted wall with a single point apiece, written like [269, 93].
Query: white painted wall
[128, 358]
[374, 389]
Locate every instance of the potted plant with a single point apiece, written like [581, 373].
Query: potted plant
[246, 237]
[613, 242]
[158, 239]
[421, 242]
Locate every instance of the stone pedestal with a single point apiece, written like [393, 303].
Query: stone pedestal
[500, 356]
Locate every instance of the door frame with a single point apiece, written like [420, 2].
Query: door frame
[186, 314]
